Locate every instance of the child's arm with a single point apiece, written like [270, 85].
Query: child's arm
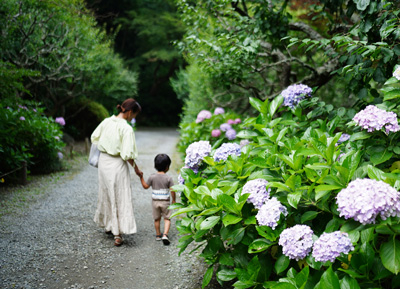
[144, 184]
[173, 195]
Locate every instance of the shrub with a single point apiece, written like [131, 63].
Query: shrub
[28, 135]
[303, 240]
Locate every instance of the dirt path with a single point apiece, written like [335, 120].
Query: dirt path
[55, 243]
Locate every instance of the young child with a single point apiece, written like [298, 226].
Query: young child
[160, 182]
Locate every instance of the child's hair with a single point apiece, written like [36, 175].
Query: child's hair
[162, 162]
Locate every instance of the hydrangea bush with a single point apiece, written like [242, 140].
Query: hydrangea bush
[29, 136]
[216, 127]
[302, 206]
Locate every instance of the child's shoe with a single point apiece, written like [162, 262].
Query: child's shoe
[165, 239]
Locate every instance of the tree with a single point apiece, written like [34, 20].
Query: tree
[257, 48]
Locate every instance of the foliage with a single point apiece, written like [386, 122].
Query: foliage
[84, 115]
[192, 131]
[28, 135]
[144, 35]
[258, 48]
[70, 56]
[299, 153]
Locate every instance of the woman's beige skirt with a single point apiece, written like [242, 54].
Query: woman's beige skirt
[114, 206]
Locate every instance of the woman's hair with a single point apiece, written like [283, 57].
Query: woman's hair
[162, 162]
[129, 104]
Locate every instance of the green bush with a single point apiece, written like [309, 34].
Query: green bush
[195, 131]
[28, 135]
[305, 163]
[84, 115]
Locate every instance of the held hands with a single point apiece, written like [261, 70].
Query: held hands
[138, 172]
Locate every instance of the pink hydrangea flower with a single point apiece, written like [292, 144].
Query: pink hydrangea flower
[238, 120]
[215, 133]
[202, 115]
[60, 120]
[219, 110]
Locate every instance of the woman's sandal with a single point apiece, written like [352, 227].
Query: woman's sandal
[158, 237]
[118, 241]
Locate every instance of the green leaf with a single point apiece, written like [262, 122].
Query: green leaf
[257, 104]
[301, 278]
[259, 245]
[349, 283]
[392, 94]
[359, 136]
[246, 134]
[281, 264]
[294, 199]
[275, 104]
[329, 280]
[191, 208]
[209, 222]
[226, 275]
[229, 204]
[379, 154]
[307, 216]
[229, 219]
[390, 255]
[207, 276]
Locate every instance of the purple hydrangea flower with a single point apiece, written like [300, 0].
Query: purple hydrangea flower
[215, 133]
[365, 199]
[244, 142]
[22, 118]
[344, 137]
[196, 152]
[230, 134]
[225, 127]
[219, 110]
[238, 120]
[60, 120]
[329, 246]
[294, 93]
[270, 213]
[181, 180]
[60, 155]
[373, 118]
[57, 137]
[258, 192]
[230, 121]
[225, 150]
[202, 115]
[396, 73]
[296, 241]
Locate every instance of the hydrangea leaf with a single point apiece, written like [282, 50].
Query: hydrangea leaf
[390, 255]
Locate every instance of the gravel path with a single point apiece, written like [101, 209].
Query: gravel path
[54, 243]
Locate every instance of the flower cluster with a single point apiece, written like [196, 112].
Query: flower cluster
[234, 121]
[258, 192]
[293, 94]
[181, 180]
[230, 134]
[244, 142]
[329, 246]
[396, 73]
[225, 127]
[296, 241]
[215, 133]
[225, 150]
[219, 110]
[365, 199]
[373, 118]
[196, 152]
[202, 115]
[270, 213]
[344, 137]
[60, 120]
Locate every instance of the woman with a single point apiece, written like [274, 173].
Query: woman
[115, 140]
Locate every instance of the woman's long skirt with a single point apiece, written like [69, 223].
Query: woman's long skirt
[114, 206]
